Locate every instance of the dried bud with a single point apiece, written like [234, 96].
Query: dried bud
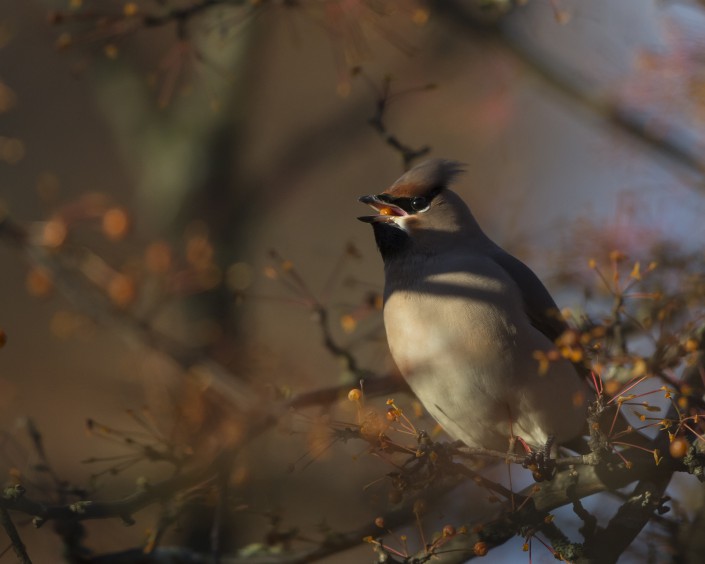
[480, 548]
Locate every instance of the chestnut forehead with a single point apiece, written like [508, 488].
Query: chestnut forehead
[410, 190]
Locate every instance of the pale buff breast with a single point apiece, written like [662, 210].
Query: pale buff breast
[469, 357]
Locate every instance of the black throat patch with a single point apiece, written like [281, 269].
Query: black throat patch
[391, 240]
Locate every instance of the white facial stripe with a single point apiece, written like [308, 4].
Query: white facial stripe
[401, 221]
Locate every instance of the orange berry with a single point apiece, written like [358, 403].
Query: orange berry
[115, 223]
[691, 345]
[379, 522]
[39, 282]
[420, 16]
[354, 395]
[130, 9]
[64, 41]
[54, 233]
[348, 323]
[121, 290]
[449, 531]
[578, 399]
[679, 447]
[612, 387]
[386, 211]
[111, 51]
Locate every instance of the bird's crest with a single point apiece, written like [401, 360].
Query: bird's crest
[427, 177]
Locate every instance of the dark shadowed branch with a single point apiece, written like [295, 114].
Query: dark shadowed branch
[17, 544]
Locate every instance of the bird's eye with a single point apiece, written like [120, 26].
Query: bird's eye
[418, 204]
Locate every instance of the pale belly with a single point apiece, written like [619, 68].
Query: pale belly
[477, 375]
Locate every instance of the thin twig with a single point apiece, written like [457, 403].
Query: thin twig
[17, 544]
[15, 499]
[378, 123]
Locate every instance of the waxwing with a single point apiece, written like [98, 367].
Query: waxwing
[466, 321]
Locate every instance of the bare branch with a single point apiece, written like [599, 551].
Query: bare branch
[580, 482]
[607, 545]
[378, 123]
[14, 498]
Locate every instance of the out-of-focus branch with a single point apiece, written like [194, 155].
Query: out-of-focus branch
[616, 115]
[565, 82]
[334, 544]
[378, 123]
[14, 498]
[17, 544]
[184, 13]
[564, 488]
[561, 490]
[67, 276]
[146, 19]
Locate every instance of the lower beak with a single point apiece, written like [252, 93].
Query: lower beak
[375, 218]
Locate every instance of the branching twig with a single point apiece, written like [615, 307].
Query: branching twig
[333, 544]
[333, 347]
[15, 499]
[377, 121]
[69, 280]
[585, 480]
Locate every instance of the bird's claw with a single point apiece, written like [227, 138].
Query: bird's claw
[540, 463]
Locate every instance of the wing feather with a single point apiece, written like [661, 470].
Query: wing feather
[540, 307]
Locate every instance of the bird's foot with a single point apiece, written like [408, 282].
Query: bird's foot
[540, 463]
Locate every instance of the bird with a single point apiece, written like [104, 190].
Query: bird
[467, 322]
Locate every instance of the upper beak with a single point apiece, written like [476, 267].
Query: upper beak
[387, 211]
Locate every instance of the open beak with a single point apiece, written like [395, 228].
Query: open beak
[386, 212]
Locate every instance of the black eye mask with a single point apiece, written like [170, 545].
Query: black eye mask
[409, 205]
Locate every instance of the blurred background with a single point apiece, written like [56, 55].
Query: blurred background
[191, 169]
